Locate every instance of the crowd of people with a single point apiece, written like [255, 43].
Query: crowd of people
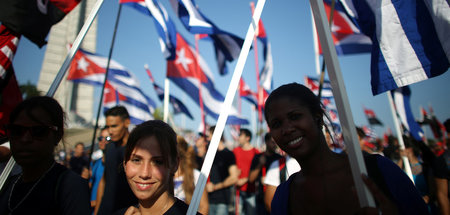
[153, 170]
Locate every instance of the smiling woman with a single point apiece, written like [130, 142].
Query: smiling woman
[325, 184]
[150, 163]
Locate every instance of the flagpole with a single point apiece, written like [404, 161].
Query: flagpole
[76, 44]
[340, 95]
[202, 110]
[211, 153]
[166, 99]
[399, 136]
[100, 103]
[322, 72]
[316, 46]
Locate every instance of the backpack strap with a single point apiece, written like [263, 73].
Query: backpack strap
[282, 167]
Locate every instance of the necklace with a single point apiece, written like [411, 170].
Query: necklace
[29, 192]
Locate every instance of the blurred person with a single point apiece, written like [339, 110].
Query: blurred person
[201, 148]
[223, 176]
[187, 175]
[79, 162]
[258, 170]
[97, 165]
[113, 190]
[244, 154]
[36, 126]
[279, 171]
[325, 184]
[150, 163]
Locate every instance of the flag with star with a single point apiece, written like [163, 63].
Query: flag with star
[227, 46]
[186, 71]
[90, 68]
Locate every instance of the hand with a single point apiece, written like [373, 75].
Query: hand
[132, 211]
[385, 205]
[209, 187]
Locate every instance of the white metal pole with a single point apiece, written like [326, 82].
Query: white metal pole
[340, 96]
[166, 99]
[399, 136]
[316, 44]
[211, 153]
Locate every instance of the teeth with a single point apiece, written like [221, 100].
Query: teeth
[143, 185]
[295, 141]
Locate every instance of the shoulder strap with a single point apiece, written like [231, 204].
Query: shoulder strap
[282, 166]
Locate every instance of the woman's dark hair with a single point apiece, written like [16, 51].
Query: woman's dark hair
[299, 93]
[164, 134]
[48, 104]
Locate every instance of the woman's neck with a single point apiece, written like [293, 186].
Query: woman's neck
[33, 173]
[159, 206]
[321, 160]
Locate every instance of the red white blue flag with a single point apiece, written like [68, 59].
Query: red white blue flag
[90, 68]
[9, 88]
[227, 45]
[371, 117]
[177, 105]
[185, 69]
[266, 74]
[410, 39]
[345, 32]
[246, 93]
[313, 85]
[164, 25]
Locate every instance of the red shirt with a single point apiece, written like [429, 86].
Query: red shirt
[243, 162]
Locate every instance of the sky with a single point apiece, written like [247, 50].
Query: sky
[289, 30]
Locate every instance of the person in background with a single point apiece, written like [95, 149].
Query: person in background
[36, 126]
[97, 165]
[150, 163]
[187, 175]
[113, 190]
[223, 176]
[79, 161]
[244, 154]
[325, 184]
[258, 170]
[279, 171]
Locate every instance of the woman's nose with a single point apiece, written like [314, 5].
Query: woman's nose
[146, 171]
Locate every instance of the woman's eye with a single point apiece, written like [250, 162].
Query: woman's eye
[295, 116]
[275, 124]
[157, 162]
[135, 160]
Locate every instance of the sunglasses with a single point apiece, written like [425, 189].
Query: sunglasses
[38, 131]
[108, 138]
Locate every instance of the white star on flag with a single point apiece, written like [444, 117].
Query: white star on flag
[183, 59]
[82, 64]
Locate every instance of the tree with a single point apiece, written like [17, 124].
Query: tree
[29, 90]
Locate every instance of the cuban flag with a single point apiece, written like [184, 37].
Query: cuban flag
[164, 25]
[9, 89]
[177, 105]
[347, 37]
[186, 72]
[313, 85]
[33, 19]
[246, 93]
[266, 74]
[90, 69]
[401, 98]
[410, 39]
[371, 117]
[227, 46]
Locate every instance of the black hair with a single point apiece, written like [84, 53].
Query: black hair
[361, 133]
[267, 137]
[119, 111]
[247, 133]
[301, 94]
[164, 134]
[447, 125]
[211, 130]
[48, 104]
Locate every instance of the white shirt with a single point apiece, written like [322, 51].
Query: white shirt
[273, 174]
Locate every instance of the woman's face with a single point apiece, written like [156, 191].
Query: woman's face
[33, 140]
[146, 172]
[293, 127]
